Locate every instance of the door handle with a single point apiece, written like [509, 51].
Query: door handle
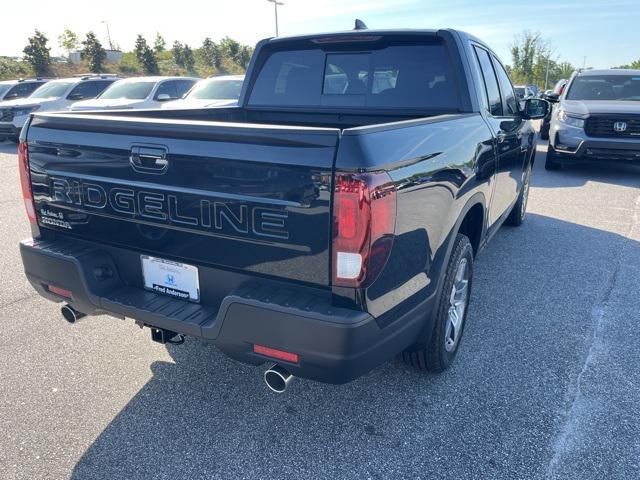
[147, 159]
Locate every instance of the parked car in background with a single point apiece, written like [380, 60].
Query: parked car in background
[212, 92]
[597, 118]
[552, 96]
[15, 89]
[523, 92]
[54, 95]
[139, 93]
[322, 229]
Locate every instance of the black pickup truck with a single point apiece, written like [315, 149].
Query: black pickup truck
[327, 223]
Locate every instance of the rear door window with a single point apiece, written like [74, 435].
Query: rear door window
[490, 82]
[509, 100]
[398, 76]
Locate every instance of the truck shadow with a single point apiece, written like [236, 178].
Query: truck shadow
[206, 416]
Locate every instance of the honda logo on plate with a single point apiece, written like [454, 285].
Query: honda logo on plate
[620, 126]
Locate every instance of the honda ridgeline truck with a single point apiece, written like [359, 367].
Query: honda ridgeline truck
[325, 224]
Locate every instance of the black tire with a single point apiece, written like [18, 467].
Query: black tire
[551, 162]
[519, 210]
[438, 355]
[544, 132]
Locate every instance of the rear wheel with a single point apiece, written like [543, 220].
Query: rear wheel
[544, 131]
[519, 210]
[551, 162]
[451, 312]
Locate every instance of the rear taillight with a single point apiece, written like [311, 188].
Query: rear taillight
[364, 219]
[25, 182]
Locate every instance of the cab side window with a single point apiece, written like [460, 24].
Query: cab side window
[167, 88]
[490, 82]
[509, 99]
[82, 91]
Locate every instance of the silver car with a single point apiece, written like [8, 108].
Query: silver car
[597, 119]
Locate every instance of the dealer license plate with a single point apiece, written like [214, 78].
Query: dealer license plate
[173, 279]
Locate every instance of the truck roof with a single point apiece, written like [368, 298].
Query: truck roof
[380, 32]
[609, 71]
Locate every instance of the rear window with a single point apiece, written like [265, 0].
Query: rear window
[399, 76]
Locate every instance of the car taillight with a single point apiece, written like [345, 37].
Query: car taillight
[25, 182]
[364, 218]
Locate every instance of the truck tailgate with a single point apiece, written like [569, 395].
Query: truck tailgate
[254, 198]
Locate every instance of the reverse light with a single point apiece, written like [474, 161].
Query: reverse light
[25, 182]
[274, 353]
[564, 117]
[364, 220]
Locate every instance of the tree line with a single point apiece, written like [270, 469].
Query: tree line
[146, 58]
[533, 61]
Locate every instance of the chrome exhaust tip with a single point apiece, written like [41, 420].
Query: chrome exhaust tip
[277, 378]
[70, 314]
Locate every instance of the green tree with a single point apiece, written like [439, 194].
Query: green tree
[565, 69]
[36, 53]
[635, 65]
[93, 52]
[244, 56]
[527, 50]
[210, 54]
[230, 49]
[159, 45]
[145, 56]
[149, 62]
[188, 60]
[139, 47]
[68, 41]
[177, 50]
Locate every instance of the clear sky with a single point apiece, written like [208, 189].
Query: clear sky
[607, 32]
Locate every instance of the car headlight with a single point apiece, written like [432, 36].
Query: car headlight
[564, 117]
[25, 110]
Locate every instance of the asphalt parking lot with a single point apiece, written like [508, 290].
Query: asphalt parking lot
[547, 384]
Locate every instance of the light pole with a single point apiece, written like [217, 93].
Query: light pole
[108, 34]
[275, 5]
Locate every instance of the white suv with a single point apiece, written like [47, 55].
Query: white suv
[139, 93]
[222, 91]
[55, 95]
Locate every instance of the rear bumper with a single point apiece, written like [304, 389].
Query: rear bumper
[334, 345]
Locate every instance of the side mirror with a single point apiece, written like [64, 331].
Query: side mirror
[535, 108]
[553, 97]
[163, 97]
[11, 96]
[76, 96]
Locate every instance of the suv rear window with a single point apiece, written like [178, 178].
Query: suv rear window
[397, 76]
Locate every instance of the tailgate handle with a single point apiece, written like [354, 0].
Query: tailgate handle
[145, 159]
